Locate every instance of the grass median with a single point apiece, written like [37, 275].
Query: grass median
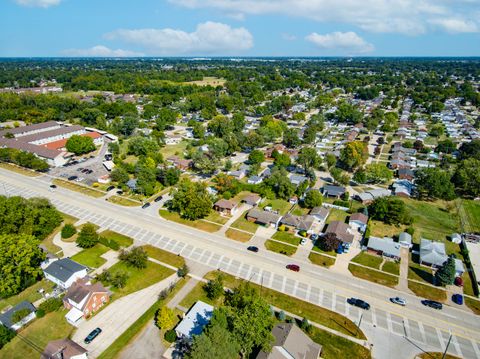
[281, 248]
[373, 275]
[321, 260]
[78, 188]
[164, 256]
[237, 235]
[427, 291]
[198, 224]
[123, 201]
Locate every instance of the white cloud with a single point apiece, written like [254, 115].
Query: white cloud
[385, 16]
[38, 3]
[343, 42]
[455, 25]
[288, 37]
[101, 51]
[208, 38]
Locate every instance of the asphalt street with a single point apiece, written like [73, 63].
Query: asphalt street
[424, 328]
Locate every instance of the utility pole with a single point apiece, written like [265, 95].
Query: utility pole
[446, 348]
[360, 321]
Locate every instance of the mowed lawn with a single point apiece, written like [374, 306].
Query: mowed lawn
[41, 331]
[244, 225]
[122, 240]
[139, 279]
[91, 257]
[31, 294]
[469, 212]
[199, 224]
[164, 256]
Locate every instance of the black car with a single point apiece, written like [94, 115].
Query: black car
[119, 191]
[71, 178]
[146, 205]
[93, 334]
[89, 171]
[432, 304]
[53, 186]
[358, 303]
[158, 199]
[252, 249]
[109, 188]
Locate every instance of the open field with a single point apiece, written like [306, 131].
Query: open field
[197, 293]
[18, 169]
[281, 248]
[31, 294]
[373, 275]
[127, 336]
[380, 229]
[469, 212]
[139, 278]
[321, 260]
[123, 201]
[199, 224]
[164, 256]
[52, 326]
[174, 150]
[208, 81]
[91, 257]
[79, 188]
[238, 235]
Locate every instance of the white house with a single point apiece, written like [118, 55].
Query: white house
[6, 318]
[65, 272]
[358, 221]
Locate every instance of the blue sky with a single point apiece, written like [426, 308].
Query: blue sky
[239, 28]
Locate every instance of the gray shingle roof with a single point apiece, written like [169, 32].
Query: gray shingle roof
[63, 269]
[385, 245]
[6, 318]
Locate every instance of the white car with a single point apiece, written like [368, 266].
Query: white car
[79, 179]
[399, 301]
[303, 241]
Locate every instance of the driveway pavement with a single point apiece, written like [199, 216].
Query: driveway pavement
[403, 280]
[69, 248]
[118, 316]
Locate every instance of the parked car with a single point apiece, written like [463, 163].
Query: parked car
[303, 241]
[80, 179]
[314, 237]
[109, 188]
[399, 301]
[72, 178]
[80, 169]
[358, 303]
[294, 267]
[119, 191]
[93, 334]
[85, 170]
[432, 304]
[252, 249]
[457, 299]
[90, 171]
[146, 205]
[53, 186]
[459, 281]
[158, 199]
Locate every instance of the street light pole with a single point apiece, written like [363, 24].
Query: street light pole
[446, 348]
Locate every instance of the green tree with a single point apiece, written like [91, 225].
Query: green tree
[88, 236]
[256, 157]
[389, 210]
[119, 175]
[308, 158]
[312, 199]
[165, 318]
[434, 183]
[68, 230]
[446, 146]
[119, 279]
[377, 173]
[339, 176]
[80, 144]
[331, 160]
[445, 275]
[168, 176]
[281, 159]
[191, 200]
[135, 257]
[20, 314]
[214, 288]
[20, 258]
[5, 335]
[291, 138]
[467, 177]
[354, 154]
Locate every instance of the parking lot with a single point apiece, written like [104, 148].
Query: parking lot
[95, 165]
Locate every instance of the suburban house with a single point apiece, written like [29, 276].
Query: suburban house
[64, 349]
[406, 173]
[358, 221]
[385, 246]
[297, 179]
[225, 207]
[433, 254]
[341, 230]
[320, 213]
[179, 163]
[252, 199]
[333, 191]
[301, 223]
[372, 195]
[195, 320]
[7, 318]
[264, 218]
[291, 343]
[64, 272]
[403, 188]
[83, 299]
[255, 179]
[405, 240]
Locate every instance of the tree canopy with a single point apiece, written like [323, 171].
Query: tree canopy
[80, 144]
[354, 154]
[389, 210]
[191, 200]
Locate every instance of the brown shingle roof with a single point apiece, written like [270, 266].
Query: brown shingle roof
[341, 231]
[65, 346]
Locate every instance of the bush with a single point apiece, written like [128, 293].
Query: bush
[88, 236]
[410, 230]
[214, 288]
[341, 203]
[281, 316]
[183, 271]
[68, 231]
[282, 228]
[5, 335]
[302, 233]
[110, 243]
[40, 313]
[51, 305]
[170, 336]
[136, 257]
[20, 314]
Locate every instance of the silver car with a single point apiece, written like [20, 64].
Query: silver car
[399, 301]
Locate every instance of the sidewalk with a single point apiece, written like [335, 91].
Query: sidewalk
[69, 248]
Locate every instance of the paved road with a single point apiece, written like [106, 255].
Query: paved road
[424, 326]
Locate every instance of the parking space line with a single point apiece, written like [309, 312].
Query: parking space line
[475, 348]
[457, 346]
[440, 338]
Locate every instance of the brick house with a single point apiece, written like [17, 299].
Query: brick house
[83, 299]
[225, 207]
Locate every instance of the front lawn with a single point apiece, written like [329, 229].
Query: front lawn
[164, 256]
[30, 294]
[123, 241]
[214, 216]
[321, 260]
[198, 293]
[139, 278]
[91, 257]
[287, 237]
[391, 267]
[51, 327]
[198, 224]
[239, 236]
[48, 241]
[243, 224]
[427, 291]
[368, 260]
[281, 248]
[473, 304]
[373, 275]
[380, 229]
[336, 215]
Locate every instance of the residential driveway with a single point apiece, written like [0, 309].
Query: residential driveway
[118, 316]
[403, 280]
[146, 345]
[238, 213]
[343, 260]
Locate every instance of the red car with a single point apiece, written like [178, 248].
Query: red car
[293, 267]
